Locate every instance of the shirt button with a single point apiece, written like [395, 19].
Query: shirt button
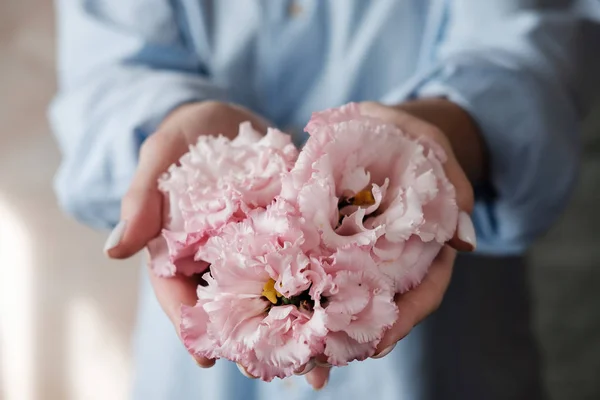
[295, 9]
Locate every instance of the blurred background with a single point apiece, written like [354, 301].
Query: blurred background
[66, 312]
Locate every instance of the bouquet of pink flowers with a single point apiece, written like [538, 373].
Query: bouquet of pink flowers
[303, 252]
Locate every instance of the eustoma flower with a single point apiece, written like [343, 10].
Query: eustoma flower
[216, 182]
[302, 254]
[364, 182]
[261, 306]
[273, 300]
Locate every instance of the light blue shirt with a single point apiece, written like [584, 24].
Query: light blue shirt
[526, 74]
[520, 73]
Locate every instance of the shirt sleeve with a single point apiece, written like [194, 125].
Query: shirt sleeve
[527, 77]
[123, 66]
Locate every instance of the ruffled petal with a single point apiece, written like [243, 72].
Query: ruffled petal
[370, 324]
[234, 321]
[408, 268]
[194, 321]
[352, 231]
[173, 253]
[355, 180]
[341, 349]
[288, 267]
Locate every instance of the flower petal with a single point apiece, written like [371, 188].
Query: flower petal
[340, 349]
[193, 325]
[410, 267]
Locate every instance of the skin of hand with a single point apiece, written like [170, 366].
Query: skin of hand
[142, 206]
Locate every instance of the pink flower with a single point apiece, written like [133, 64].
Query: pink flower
[303, 253]
[257, 308]
[360, 307]
[216, 182]
[364, 182]
[271, 305]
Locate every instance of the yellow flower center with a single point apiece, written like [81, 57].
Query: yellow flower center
[269, 291]
[363, 198]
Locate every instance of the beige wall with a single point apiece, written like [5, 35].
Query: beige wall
[65, 312]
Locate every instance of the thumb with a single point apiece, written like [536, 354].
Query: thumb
[140, 222]
[142, 205]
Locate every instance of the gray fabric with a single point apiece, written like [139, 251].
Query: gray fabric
[479, 344]
[566, 278]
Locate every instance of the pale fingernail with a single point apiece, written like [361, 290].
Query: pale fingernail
[244, 372]
[385, 352]
[323, 364]
[324, 384]
[115, 236]
[466, 230]
[307, 368]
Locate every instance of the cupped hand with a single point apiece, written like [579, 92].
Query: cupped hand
[142, 209]
[418, 303]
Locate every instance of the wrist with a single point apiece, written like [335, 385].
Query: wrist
[459, 127]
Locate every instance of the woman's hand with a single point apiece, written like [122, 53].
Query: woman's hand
[142, 206]
[450, 127]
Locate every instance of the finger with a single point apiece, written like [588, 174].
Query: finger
[318, 377]
[204, 362]
[142, 205]
[258, 122]
[418, 303]
[385, 351]
[173, 293]
[407, 122]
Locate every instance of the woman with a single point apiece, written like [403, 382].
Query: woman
[500, 84]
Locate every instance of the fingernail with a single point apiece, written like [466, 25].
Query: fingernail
[244, 372]
[324, 384]
[466, 230]
[385, 352]
[323, 364]
[115, 236]
[307, 368]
